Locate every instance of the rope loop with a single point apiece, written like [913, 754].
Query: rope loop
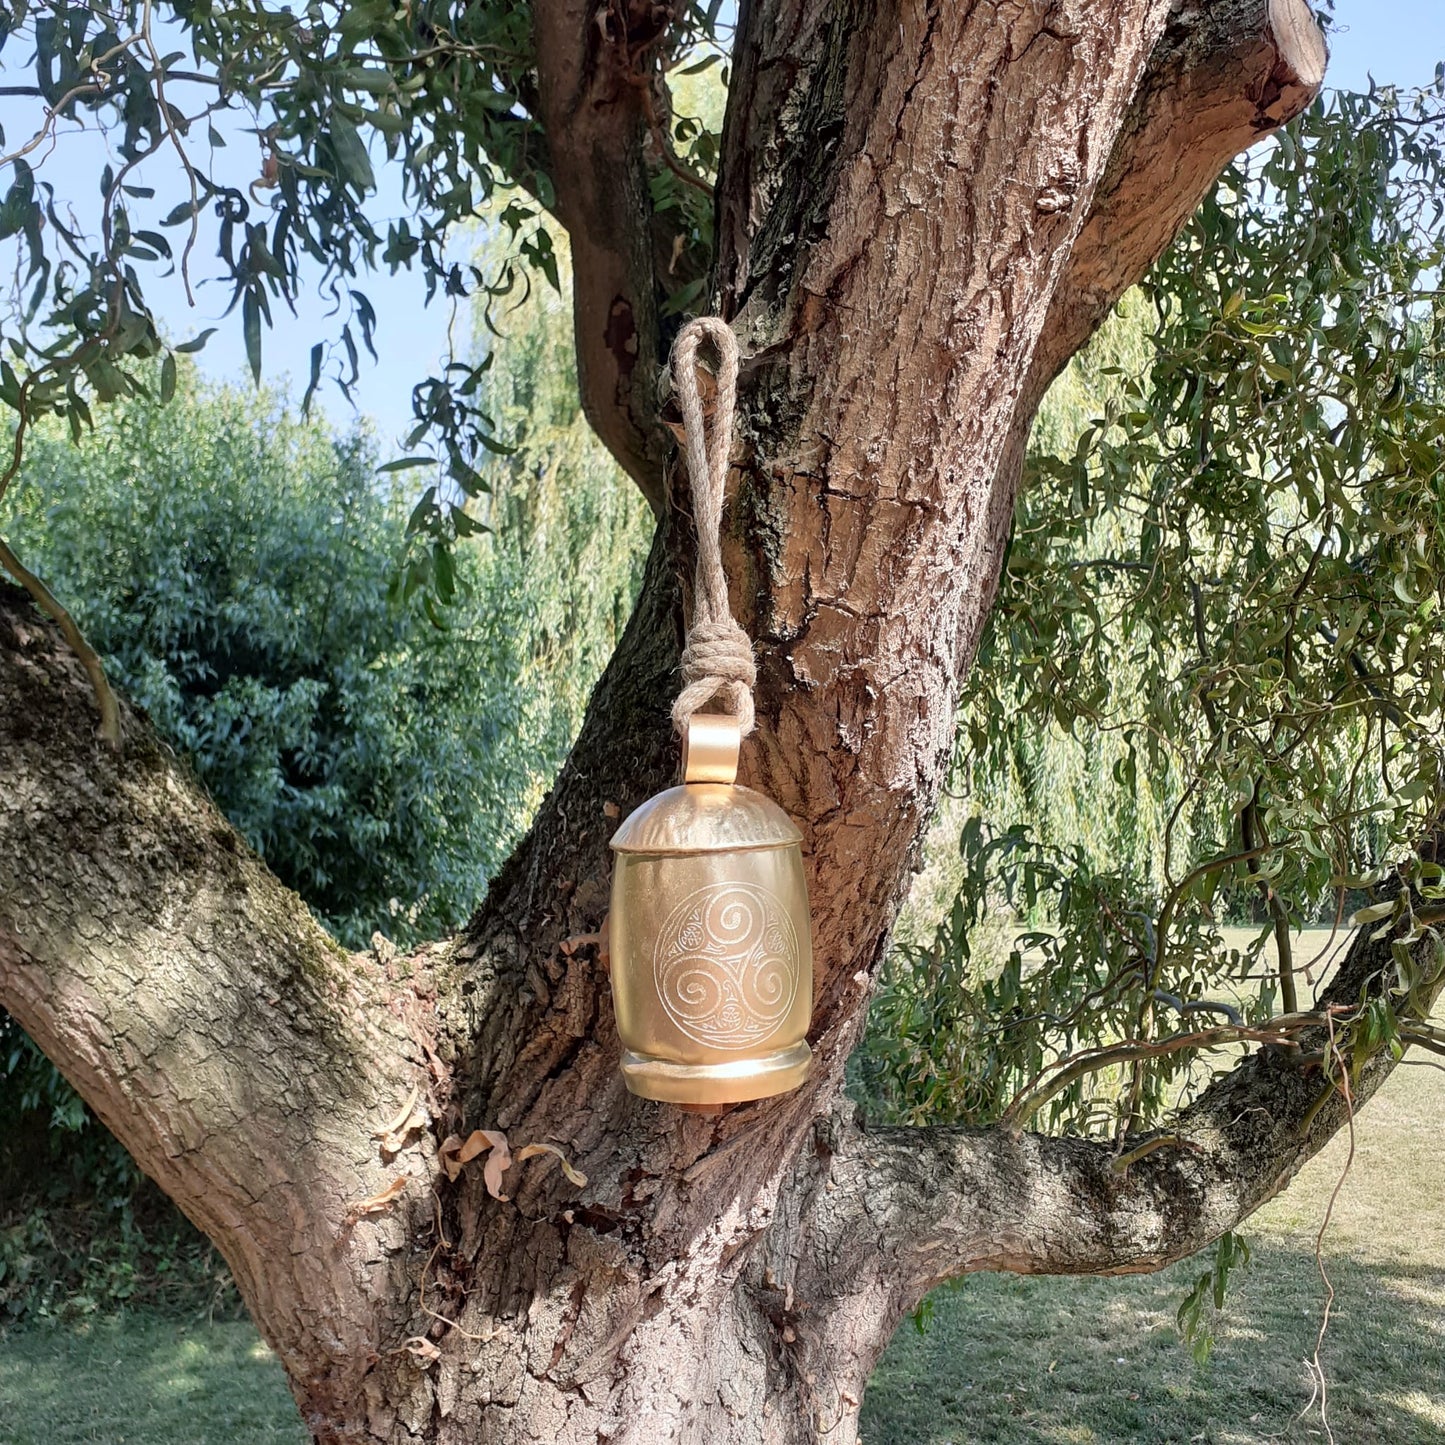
[717, 661]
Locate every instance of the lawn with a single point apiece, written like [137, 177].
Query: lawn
[1069, 1362]
[1074, 1362]
[140, 1380]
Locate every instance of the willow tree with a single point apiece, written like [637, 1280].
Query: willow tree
[919, 214]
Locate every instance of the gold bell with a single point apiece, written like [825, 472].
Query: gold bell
[712, 953]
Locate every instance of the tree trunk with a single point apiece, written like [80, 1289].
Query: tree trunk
[924, 209]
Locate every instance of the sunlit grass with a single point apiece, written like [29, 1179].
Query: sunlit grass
[140, 1380]
[1059, 1360]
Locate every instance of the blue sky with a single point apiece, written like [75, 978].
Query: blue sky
[1395, 40]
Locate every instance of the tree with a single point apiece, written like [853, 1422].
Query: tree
[919, 215]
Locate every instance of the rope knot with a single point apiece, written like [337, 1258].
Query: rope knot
[717, 661]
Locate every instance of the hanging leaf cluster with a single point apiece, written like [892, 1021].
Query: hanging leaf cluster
[248, 141]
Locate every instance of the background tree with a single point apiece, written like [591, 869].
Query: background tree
[919, 215]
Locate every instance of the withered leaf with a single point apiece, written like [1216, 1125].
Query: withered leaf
[498, 1162]
[530, 1151]
[457, 1152]
[421, 1347]
[379, 1201]
[411, 1116]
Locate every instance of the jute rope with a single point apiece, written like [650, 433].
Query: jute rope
[717, 661]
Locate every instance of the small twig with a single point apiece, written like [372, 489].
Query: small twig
[1201, 1005]
[53, 112]
[1420, 1039]
[1036, 1093]
[1249, 823]
[665, 150]
[1145, 1017]
[451, 1324]
[169, 123]
[1144, 1150]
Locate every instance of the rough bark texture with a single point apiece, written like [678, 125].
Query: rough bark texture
[923, 210]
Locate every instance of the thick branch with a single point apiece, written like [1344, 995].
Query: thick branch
[959, 1200]
[880, 1216]
[592, 98]
[240, 1056]
[1225, 74]
[1220, 75]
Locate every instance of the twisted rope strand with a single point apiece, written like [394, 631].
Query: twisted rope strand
[717, 660]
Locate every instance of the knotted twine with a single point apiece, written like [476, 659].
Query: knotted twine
[717, 660]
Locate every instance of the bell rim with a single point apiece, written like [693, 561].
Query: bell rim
[740, 1081]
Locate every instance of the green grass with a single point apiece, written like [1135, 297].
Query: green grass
[1067, 1362]
[1093, 1361]
[138, 1380]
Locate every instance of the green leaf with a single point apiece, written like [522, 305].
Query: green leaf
[168, 378]
[444, 570]
[1372, 914]
[466, 525]
[317, 353]
[251, 327]
[350, 152]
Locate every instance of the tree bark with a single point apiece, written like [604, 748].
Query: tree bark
[923, 210]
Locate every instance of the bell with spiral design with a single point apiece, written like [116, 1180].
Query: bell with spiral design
[712, 960]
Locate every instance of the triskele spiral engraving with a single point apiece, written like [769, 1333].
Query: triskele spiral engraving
[726, 965]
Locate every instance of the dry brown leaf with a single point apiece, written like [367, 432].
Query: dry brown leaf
[530, 1151]
[450, 1149]
[393, 1135]
[456, 1153]
[378, 1202]
[402, 1116]
[498, 1162]
[569, 946]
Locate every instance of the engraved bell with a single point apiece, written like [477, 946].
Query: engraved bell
[712, 955]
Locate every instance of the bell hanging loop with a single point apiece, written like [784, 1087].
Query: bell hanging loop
[711, 743]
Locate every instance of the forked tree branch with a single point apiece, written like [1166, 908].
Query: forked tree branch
[1226, 74]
